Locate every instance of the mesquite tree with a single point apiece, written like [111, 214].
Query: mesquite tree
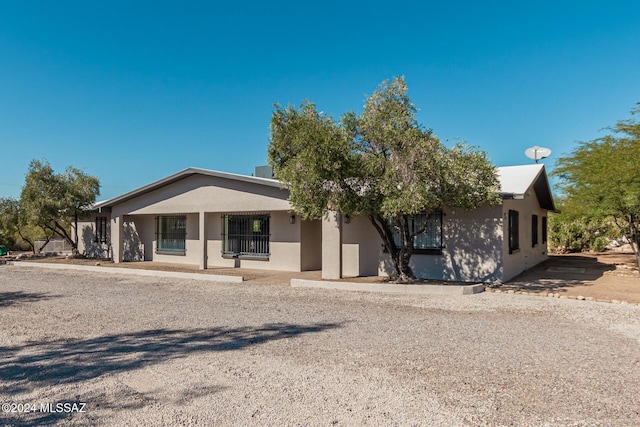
[381, 164]
[54, 202]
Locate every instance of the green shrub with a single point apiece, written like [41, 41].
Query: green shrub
[599, 244]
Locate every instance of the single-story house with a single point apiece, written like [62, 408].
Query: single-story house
[217, 219]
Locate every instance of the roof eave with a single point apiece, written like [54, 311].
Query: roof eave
[178, 176]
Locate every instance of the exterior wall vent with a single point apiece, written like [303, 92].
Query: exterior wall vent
[264, 172]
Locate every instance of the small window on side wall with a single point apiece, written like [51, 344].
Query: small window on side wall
[534, 230]
[514, 235]
[101, 229]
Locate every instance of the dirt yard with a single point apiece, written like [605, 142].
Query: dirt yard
[144, 351]
[604, 277]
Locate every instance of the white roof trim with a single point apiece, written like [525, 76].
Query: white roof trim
[516, 180]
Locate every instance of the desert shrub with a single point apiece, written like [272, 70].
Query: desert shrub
[599, 244]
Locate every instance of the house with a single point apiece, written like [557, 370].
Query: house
[217, 219]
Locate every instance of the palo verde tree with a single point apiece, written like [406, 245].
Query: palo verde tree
[603, 178]
[55, 201]
[573, 230]
[381, 164]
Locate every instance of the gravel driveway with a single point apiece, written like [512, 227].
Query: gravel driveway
[148, 351]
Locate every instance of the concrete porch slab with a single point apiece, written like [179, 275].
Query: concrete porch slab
[566, 270]
[392, 288]
[131, 271]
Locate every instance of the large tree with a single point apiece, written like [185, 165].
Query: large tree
[14, 222]
[381, 164]
[8, 209]
[602, 177]
[55, 201]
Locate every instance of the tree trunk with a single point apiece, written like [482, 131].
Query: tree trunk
[76, 233]
[636, 252]
[635, 245]
[29, 242]
[58, 228]
[400, 257]
[47, 239]
[634, 239]
[403, 269]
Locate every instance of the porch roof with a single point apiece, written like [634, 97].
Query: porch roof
[185, 173]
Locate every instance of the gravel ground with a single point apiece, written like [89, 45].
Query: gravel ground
[148, 351]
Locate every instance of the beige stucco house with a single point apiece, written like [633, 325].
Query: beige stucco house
[210, 219]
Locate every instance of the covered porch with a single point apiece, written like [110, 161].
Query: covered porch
[271, 240]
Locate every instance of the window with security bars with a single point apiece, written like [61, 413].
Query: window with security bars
[430, 240]
[101, 229]
[534, 230]
[245, 236]
[171, 233]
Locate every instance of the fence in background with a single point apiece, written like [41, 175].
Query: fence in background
[57, 245]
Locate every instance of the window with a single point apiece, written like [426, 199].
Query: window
[534, 230]
[430, 240]
[101, 229]
[544, 229]
[171, 232]
[245, 236]
[514, 237]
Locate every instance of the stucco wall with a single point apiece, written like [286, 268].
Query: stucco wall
[472, 248]
[148, 234]
[361, 247]
[205, 193]
[284, 245]
[473, 245]
[527, 256]
[310, 244]
[214, 196]
[331, 246]
[87, 244]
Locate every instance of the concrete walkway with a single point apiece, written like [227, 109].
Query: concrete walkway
[131, 271]
[308, 279]
[420, 288]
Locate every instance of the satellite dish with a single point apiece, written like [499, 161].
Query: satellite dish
[537, 153]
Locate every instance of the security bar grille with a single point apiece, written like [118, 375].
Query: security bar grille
[101, 229]
[245, 236]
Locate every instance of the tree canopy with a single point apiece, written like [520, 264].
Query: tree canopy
[49, 203]
[382, 164]
[601, 178]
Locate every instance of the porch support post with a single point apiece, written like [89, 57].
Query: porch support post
[117, 231]
[202, 229]
[331, 246]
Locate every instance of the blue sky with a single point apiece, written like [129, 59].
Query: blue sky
[134, 91]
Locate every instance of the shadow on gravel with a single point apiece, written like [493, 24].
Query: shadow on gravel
[39, 364]
[558, 272]
[11, 298]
